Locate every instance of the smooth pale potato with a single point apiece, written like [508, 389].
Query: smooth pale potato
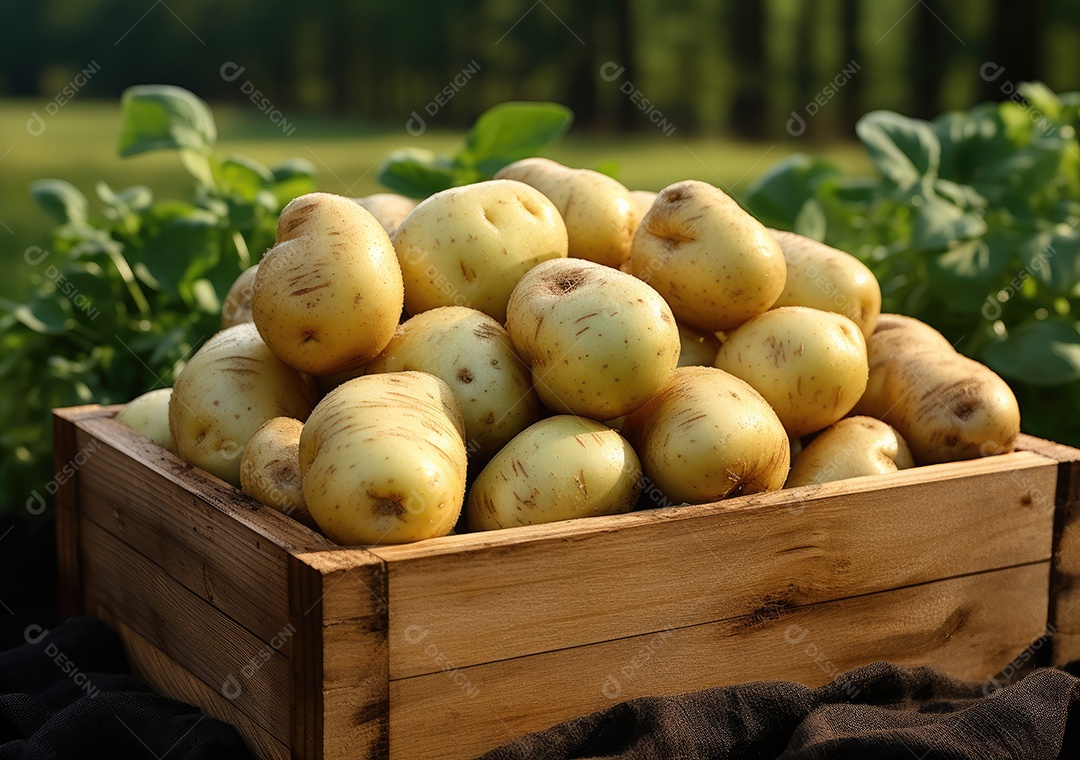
[600, 343]
[708, 435]
[270, 468]
[237, 306]
[698, 347]
[644, 200]
[383, 460]
[328, 296]
[149, 414]
[822, 277]
[600, 213]
[712, 262]
[474, 355]
[850, 448]
[948, 407]
[326, 383]
[469, 246]
[810, 365]
[560, 468]
[390, 209]
[226, 391]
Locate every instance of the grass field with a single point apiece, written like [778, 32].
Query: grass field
[79, 145]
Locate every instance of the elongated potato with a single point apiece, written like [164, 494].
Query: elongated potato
[469, 246]
[948, 407]
[712, 262]
[558, 469]
[390, 209]
[149, 414]
[810, 365]
[383, 460]
[328, 296]
[227, 390]
[474, 355]
[850, 448]
[270, 468]
[822, 277]
[599, 212]
[708, 435]
[600, 343]
[698, 347]
[237, 306]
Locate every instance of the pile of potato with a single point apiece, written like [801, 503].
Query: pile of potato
[571, 349]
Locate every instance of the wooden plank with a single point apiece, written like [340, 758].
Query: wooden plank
[170, 678]
[567, 584]
[213, 648]
[212, 540]
[970, 627]
[1064, 618]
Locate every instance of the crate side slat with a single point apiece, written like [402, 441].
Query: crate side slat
[970, 627]
[123, 585]
[616, 580]
[65, 452]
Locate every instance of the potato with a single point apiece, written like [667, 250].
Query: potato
[469, 246]
[600, 343]
[328, 296]
[948, 407]
[599, 212]
[643, 199]
[558, 469]
[810, 365]
[822, 277]
[326, 383]
[149, 414]
[852, 447]
[237, 307]
[383, 460]
[227, 390]
[473, 354]
[708, 435]
[389, 209]
[715, 264]
[698, 348]
[270, 468]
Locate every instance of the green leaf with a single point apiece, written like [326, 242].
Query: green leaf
[904, 150]
[293, 168]
[811, 221]
[512, 131]
[1039, 352]
[243, 176]
[61, 200]
[777, 197]
[938, 223]
[164, 117]
[1053, 257]
[415, 172]
[963, 276]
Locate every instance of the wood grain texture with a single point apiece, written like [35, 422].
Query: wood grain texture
[123, 585]
[970, 627]
[568, 584]
[1064, 615]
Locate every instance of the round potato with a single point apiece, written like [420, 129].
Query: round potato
[270, 468]
[226, 391]
[822, 277]
[237, 306]
[149, 414]
[599, 212]
[561, 468]
[328, 296]
[698, 347]
[708, 435]
[850, 448]
[390, 209]
[810, 365]
[600, 343]
[473, 354]
[643, 199]
[712, 262]
[383, 460]
[469, 246]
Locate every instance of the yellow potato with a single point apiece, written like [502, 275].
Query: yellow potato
[698, 348]
[643, 199]
[469, 246]
[712, 262]
[383, 460]
[270, 468]
[850, 448]
[237, 306]
[599, 212]
[328, 296]
[390, 209]
[822, 277]
[810, 365]
[561, 468]
[149, 414]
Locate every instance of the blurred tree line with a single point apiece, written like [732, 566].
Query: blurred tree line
[738, 67]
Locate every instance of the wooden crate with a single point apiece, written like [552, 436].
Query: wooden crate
[449, 647]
